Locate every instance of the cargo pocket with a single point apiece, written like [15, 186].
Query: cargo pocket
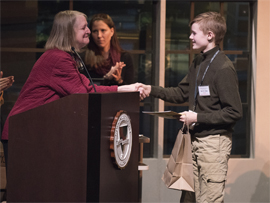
[215, 187]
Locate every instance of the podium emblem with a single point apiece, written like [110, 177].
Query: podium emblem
[121, 139]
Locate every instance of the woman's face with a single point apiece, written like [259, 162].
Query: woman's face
[82, 32]
[102, 35]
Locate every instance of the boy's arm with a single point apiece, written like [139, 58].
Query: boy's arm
[227, 87]
[177, 94]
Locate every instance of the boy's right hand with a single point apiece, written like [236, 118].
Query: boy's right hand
[145, 90]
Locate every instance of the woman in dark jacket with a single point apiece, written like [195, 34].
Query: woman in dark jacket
[104, 51]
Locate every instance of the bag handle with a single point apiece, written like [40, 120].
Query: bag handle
[185, 127]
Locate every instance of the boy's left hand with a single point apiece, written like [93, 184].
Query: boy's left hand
[188, 117]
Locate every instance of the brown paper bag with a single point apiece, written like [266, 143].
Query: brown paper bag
[179, 171]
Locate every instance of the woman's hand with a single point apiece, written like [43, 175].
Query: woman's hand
[129, 88]
[117, 75]
[116, 72]
[134, 88]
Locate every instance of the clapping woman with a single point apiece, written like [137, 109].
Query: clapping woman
[104, 51]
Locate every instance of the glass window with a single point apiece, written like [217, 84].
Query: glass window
[177, 29]
[201, 7]
[241, 134]
[176, 68]
[46, 12]
[133, 20]
[237, 18]
[241, 64]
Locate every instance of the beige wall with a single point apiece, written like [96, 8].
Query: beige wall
[248, 179]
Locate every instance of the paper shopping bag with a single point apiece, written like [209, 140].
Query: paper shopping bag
[179, 171]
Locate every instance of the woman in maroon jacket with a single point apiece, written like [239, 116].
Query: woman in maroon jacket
[55, 74]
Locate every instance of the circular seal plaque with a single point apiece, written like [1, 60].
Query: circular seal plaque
[121, 139]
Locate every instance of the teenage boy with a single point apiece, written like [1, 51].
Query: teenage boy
[211, 88]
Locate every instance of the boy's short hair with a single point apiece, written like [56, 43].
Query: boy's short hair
[211, 21]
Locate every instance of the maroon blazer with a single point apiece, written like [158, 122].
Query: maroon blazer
[53, 76]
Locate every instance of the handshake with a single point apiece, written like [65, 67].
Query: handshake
[187, 117]
[144, 90]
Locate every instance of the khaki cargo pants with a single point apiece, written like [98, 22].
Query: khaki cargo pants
[210, 156]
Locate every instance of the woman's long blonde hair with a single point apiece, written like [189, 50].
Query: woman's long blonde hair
[62, 34]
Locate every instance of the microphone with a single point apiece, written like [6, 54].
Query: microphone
[92, 83]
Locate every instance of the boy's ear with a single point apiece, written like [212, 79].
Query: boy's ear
[210, 36]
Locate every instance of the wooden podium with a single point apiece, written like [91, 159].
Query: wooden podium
[60, 152]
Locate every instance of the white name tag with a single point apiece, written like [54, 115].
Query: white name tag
[204, 91]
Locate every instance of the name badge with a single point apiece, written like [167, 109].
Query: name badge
[204, 91]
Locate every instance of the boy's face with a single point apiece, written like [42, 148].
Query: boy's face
[200, 40]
